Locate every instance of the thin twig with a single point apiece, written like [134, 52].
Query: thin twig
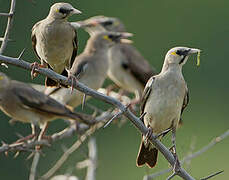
[9, 26]
[90, 92]
[212, 175]
[191, 156]
[5, 14]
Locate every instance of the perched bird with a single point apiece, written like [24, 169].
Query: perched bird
[54, 40]
[128, 68]
[25, 104]
[164, 98]
[90, 67]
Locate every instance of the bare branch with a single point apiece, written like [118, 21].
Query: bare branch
[9, 26]
[191, 156]
[67, 132]
[33, 170]
[91, 162]
[69, 151]
[90, 92]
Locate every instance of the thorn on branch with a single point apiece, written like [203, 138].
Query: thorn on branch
[21, 54]
[212, 175]
[118, 115]
[172, 176]
[6, 14]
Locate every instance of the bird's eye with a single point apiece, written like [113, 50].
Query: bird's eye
[179, 52]
[64, 11]
[107, 23]
[111, 36]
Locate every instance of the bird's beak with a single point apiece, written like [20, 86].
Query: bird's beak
[124, 38]
[75, 11]
[84, 24]
[194, 51]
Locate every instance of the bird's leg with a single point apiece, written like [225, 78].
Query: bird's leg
[177, 166]
[34, 134]
[72, 78]
[34, 67]
[110, 88]
[42, 134]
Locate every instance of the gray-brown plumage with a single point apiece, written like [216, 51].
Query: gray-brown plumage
[90, 67]
[128, 68]
[54, 40]
[25, 104]
[164, 98]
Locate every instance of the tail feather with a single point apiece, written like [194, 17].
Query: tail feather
[147, 155]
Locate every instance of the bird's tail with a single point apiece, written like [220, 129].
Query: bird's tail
[147, 155]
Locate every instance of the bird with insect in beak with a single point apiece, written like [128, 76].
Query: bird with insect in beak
[55, 42]
[25, 104]
[164, 98]
[128, 69]
[90, 67]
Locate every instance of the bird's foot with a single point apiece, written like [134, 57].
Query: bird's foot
[73, 80]
[163, 133]
[149, 133]
[35, 66]
[176, 166]
[24, 139]
[110, 88]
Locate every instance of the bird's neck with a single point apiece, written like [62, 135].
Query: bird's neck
[171, 68]
[52, 18]
[94, 46]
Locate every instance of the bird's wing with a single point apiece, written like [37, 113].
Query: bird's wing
[136, 64]
[33, 37]
[146, 93]
[37, 101]
[185, 104]
[185, 101]
[80, 65]
[75, 48]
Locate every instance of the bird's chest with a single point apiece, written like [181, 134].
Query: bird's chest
[55, 44]
[164, 104]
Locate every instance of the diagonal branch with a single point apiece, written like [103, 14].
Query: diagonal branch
[9, 25]
[191, 156]
[90, 92]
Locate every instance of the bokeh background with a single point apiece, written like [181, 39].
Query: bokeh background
[158, 26]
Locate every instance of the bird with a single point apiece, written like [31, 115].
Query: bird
[163, 101]
[128, 68]
[25, 104]
[54, 41]
[90, 67]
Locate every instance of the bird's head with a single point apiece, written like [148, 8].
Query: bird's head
[62, 10]
[179, 55]
[4, 81]
[98, 24]
[110, 38]
[107, 39]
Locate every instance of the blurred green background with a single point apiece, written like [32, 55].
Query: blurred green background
[158, 26]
